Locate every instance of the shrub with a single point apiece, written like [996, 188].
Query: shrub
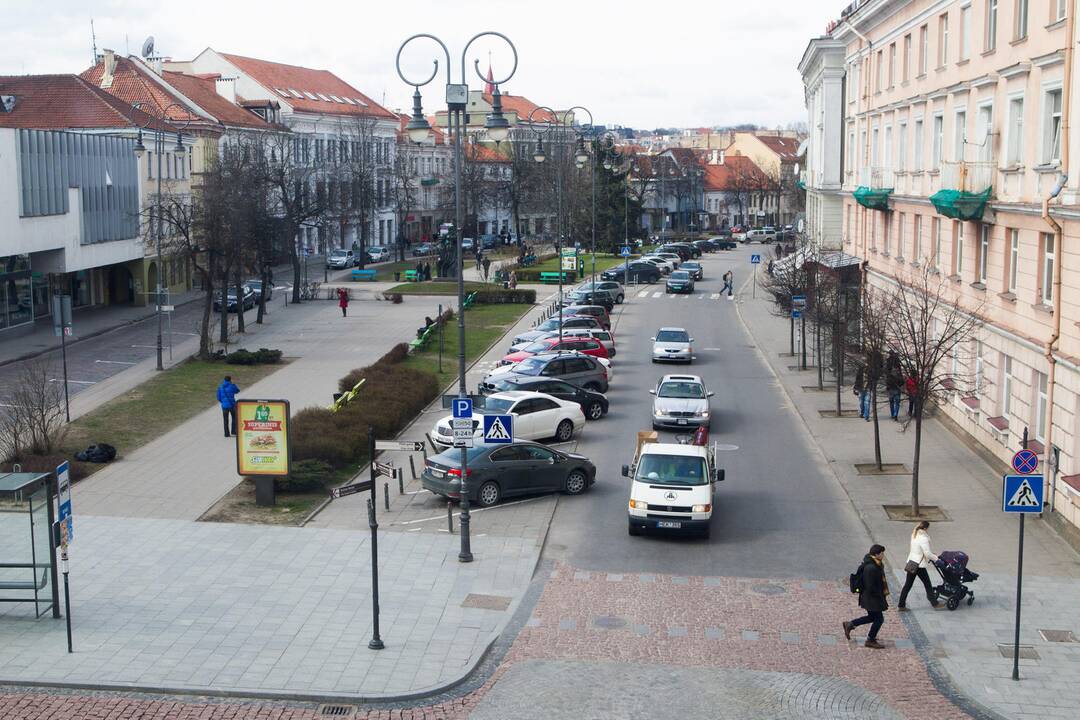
[45, 464]
[306, 476]
[318, 434]
[259, 357]
[500, 297]
[266, 356]
[395, 298]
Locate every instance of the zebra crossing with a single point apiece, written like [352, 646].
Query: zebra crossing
[657, 294]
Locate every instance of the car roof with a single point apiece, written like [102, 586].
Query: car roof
[515, 394]
[653, 448]
[682, 378]
[677, 329]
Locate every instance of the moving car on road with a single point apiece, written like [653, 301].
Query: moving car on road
[379, 254]
[536, 417]
[423, 249]
[498, 471]
[247, 299]
[674, 344]
[638, 271]
[593, 404]
[760, 235]
[680, 281]
[694, 268]
[672, 486]
[680, 401]
[340, 258]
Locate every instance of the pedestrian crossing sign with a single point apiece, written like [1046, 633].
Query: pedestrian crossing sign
[498, 429]
[1022, 494]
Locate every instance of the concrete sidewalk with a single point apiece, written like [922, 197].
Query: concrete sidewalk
[964, 643]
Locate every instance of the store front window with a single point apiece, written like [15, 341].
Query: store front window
[16, 293]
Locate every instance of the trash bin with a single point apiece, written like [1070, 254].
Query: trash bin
[397, 277]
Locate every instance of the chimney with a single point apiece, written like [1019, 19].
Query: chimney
[110, 69]
[713, 161]
[226, 88]
[157, 64]
[720, 159]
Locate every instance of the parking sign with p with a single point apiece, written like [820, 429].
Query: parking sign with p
[462, 407]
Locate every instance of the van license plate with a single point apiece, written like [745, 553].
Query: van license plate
[669, 524]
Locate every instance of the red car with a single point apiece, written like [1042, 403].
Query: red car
[585, 345]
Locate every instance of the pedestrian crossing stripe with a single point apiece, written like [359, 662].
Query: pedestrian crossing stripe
[657, 294]
[714, 296]
[1023, 497]
[643, 294]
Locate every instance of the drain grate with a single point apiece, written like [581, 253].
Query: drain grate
[609, 622]
[337, 711]
[768, 589]
[1060, 636]
[1027, 652]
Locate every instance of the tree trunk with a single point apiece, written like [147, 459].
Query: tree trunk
[294, 257]
[877, 428]
[264, 275]
[915, 460]
[207, 313]
[820, 360]
[239, 301]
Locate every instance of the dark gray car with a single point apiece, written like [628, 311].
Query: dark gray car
[577, 369]
[498, 471]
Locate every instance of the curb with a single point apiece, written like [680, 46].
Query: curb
[940, 677]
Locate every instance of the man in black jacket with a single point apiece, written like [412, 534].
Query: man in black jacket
[872, 596]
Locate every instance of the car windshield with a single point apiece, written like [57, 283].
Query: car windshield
[681, 390]
[453, 457]
[497, 406]
[672, 336]
[531, 366]
[672, 470]
[551, 324]
[536, 347]
[337, 253]
[690, 265]
[680, 275]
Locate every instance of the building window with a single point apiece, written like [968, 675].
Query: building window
[965, 32]
[1060, 8]
[937, 244]
[878, 76]
[978, 351]
[924, 49]
[1021, 20]
[900, 236]
[984, 126]
[886, 232]
[1016, 131]
[984, 251]
[874, 147]
[958, 247]
[887, 154]
[901, 149]
[892, 65]
[1040, 407]
[150, 165]
[1047, 269]
[943, 39]
[939, 133]
[918, 160]
[906, 69]
[1014, 258]
[1052, 127]
[1006, 387]
[916, 254]
[991, 24]
[959, 135]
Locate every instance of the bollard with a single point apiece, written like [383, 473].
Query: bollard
[400, 472]
[412, 467]
[386, 494]
[450, 516]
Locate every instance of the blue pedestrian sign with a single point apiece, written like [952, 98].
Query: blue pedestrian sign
[796, 313]
[1025, 462]
[498, 429]
[755, 259]
[462, 407]
[1022, 494]
[625, 252]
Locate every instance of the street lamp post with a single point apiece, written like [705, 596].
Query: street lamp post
[162, 117]
[498, 129]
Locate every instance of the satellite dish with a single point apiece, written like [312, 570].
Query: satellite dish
[796, 168]
[148, 47]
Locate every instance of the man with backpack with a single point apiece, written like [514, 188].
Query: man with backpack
[869, 583]
[226, 395]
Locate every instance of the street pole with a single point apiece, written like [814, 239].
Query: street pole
[376, 642]
[1019, 583]
[67, 594]
[159, 147]
[594, 170]
[457, 117]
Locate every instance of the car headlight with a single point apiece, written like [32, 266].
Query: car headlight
[638, 505]
[702, 508]
[702, 413]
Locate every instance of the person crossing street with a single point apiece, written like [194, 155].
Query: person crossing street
[873, 596]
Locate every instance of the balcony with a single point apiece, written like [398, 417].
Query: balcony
[801, 182]
[875, 186]
[966, 187]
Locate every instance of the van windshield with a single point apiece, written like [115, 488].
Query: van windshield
[672, 470]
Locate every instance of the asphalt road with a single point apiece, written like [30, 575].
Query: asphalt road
[779, 513]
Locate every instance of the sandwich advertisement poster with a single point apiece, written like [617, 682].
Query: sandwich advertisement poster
[262, 443]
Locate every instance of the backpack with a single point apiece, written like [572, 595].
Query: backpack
[855, 580]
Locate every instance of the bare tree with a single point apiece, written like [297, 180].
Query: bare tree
[925, 327]
[873, 320]
[33, 419]
[404, 191]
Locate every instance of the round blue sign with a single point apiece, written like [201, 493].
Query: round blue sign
[1025, 462]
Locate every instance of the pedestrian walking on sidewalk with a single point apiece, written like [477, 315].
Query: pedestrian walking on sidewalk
[911, 387]
[226, 395]
[873, 596]
[426, 271]
[862, 390]
[487, 266]
[918, 558]
[343, 301]
[729, 282]
[513, 279]
[894, 383]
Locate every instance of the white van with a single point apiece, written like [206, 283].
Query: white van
[672, 487]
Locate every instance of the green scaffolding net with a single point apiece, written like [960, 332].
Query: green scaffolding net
[961, 205]
[873, 198]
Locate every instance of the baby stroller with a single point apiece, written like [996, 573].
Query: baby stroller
[952, 566]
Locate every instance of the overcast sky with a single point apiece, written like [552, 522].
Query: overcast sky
[677, 63]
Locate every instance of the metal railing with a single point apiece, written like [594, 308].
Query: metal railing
[968, 176]
[876, 177]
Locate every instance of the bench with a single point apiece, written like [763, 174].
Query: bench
[34, 584]
[411, 275]
[554, 276]
[421, 341]
[365, 274]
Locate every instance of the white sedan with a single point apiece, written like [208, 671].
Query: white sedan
[663, 265]
[537, 416]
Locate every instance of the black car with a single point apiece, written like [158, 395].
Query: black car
[694, 268]
[248, 299]
[683, 251]
[593, 404]
[694, 250]
[705, 245]
[726, 244]
[641, 272]
[589, 297]
[256, 287]
[498, 471]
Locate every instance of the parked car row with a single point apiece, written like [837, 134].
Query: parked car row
[251, 291]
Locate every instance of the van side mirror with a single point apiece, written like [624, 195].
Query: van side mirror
[711, 393]
[652, 392]
[718, 475]
[691, 339]
[626, 471]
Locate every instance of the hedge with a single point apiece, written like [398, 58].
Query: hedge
[262, 356]
[504, 297]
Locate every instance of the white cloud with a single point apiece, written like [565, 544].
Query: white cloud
[677, 63]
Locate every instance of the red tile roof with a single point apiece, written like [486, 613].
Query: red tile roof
[67, 102]
[787, 148]
[403, 135]
[522, 106]
[475, 152]
[737, 172]
[317, 88]
[203, 92]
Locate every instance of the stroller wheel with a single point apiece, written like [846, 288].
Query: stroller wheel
[953, 603]
[971, 599]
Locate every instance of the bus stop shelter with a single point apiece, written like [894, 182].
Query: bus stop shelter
[28, 570]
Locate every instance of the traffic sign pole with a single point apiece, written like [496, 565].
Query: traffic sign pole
[376, 642]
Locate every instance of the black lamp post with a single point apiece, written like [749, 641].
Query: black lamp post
[498, 129]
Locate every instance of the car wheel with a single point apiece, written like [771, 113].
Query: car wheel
[564, 431]
[594, 411]
[619, 299]
[488, 494]
[592, 386]
[707, 532]
[576, 483]
[633, 529]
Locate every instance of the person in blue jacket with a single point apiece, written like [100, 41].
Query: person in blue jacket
[226, 395]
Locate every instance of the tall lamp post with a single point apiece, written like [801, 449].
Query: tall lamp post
[162, 117]
[498, 129]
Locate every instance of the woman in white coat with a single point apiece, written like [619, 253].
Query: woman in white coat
[918, 558]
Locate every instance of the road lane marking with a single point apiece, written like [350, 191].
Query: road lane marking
[643, 294]
[77, 382]
[714, 296]
[115, 362]
[656, 294]
[152, 347]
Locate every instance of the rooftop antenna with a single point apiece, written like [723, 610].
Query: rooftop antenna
[148, 47]
[127, 48]
[93, 41]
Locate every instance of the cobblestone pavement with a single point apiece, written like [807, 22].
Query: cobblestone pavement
[620, 646]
